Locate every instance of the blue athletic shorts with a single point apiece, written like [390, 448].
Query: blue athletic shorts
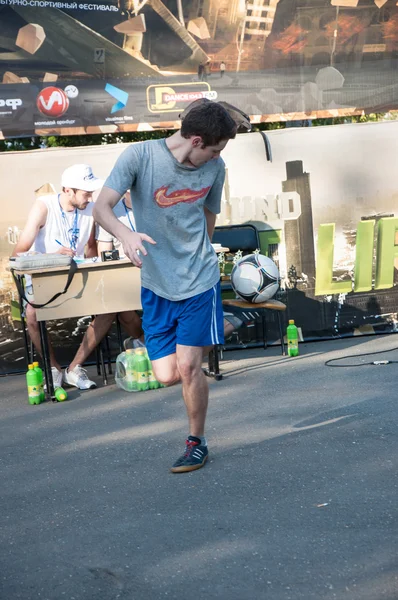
[196, 321]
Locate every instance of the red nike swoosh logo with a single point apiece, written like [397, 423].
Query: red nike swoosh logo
[164, 200]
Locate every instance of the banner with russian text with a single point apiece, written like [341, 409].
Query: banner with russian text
[111, 66]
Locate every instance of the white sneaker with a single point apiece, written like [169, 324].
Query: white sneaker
[78, 378]
[57, 378]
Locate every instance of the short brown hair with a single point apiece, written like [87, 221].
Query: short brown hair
[208, 120]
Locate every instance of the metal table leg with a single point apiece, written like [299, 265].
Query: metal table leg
[213, 369]
[281, 334]
[46, 360]
[27, 342]
[216, 374]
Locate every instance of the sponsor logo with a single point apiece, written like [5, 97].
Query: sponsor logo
[12, 103]
[165, 200]
[52, 102]
[71, 91]
[174, 98]
[119, 95]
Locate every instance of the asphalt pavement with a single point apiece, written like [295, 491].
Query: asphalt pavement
[297, 502]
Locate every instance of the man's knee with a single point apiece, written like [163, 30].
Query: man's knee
[103, 320]
[165, 371]
[168, 381]
[131, 322]
[188, 368]
[129, 316]
[30, 313]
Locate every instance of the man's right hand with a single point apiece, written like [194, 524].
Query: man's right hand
[66, 251]
[132, 244]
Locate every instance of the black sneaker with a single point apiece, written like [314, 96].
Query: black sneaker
[194, 457]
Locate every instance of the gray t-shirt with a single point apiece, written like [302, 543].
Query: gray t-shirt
[168, 201]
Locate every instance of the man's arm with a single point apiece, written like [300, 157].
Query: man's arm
[130, 240]
[103, 213]
[91, 247]
[212, 205]
[210, 222]
[36, 220]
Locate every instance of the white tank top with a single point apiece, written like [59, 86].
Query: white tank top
[72, 229]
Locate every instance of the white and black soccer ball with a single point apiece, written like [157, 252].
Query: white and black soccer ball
[255, 278]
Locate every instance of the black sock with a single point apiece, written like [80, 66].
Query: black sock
[199, 440]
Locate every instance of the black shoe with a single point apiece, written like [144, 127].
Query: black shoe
[194, 458]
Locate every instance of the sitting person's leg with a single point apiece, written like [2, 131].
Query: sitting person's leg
[75, 375]
[132, 324]
[231, 324]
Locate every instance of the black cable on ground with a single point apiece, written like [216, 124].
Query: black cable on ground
[374, 362]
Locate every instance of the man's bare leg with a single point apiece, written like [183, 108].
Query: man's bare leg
[131, 322]
[95, 332]
[195, 389]
[186, 365]
[34, 333]
[165, 370]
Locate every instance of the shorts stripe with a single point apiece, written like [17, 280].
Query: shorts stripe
[214, 333]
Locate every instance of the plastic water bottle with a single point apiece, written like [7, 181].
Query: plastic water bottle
[141, 369]
[41, 379]
[292, 339]
[152, 381]
[130, 379]
[33, 383]
[60, 394]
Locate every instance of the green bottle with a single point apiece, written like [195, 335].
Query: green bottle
[41, 379]
[141, 369]
[60, 394]
[33, 383]
[152, 381]
[292, 339]
[130, 379]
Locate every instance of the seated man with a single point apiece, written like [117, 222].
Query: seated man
[63, 223]
[106, 241]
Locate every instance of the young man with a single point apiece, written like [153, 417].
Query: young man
[176, 185]
[63, 223]
[106, 241]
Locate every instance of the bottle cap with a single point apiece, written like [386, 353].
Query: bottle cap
[35, 364]
[129, 351]
[30, 367]
[291, 321]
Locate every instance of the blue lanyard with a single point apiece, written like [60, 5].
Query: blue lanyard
[128, 216]
[72, 233]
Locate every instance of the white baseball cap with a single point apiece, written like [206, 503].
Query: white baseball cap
[81, 177]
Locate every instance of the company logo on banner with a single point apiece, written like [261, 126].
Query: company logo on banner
[176, 97]
[10, 103]
[120, 95]
[52, 102]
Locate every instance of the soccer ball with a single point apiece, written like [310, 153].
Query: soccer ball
[255, 278]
